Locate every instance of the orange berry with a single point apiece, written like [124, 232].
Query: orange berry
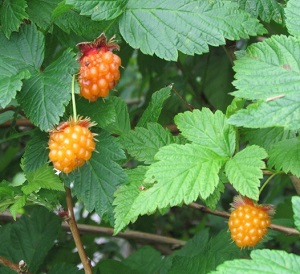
[248, 222]
[71, 144]
[99, 68]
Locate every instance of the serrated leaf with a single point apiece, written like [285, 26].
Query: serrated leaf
[263, 261]
[12, 14]
[267, 10]
[296, 210]
[43, 177]
[189, 26]
[24, 50]
[96, 182]
[31, 238]
[121, 123]
[285, 155]
[204, 254]
[214, 198]
[208, 130]
[40, 12]
[182, 172]
[144, 143]
[268, 74]
[99, 10]
[36, 154]
[291, 12]
[244, 170]
[17, 206]
[10, 82]
[45, 95]
[153, 110]
[265, 137]
[126, 195]
[101, 112]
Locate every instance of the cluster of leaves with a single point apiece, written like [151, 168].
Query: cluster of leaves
[141, 170]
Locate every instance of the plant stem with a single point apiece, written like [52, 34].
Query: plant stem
[73, 99]
[266, 182]
[12, 266]
[75, 233]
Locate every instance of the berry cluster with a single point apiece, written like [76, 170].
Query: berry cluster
[248, 222]
[71, 144]
[99, 68]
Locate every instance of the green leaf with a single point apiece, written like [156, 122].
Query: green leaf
[202, 255]
[11, 15]
[190, 26]
[19, 203]
[291, 12]
[96, 182]
[153, 110]
[208, 130]
[102, 112]
[146, 260]
[64, 268]
[144, 143]
[285, 155]
[182, 172]
[36, 154]
[267, 10]
[10, 82]
[31, 238]
[99, 10]
[43, 177]
[40, 12]
[263, 261]
[244, 170]
[109, 266]
[214, 198]
[268, 74]
[126, 195]
[265, 137]
[45, 95]
[296, 210]
[24, 50]
[121, 123]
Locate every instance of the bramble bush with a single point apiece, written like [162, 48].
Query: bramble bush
[207, 108]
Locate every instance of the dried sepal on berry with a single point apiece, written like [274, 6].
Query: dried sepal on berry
[99, 68]
[248, 222]
[71, 143]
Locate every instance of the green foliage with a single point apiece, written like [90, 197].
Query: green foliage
[233, 64]
[268, 74]
[263, 261]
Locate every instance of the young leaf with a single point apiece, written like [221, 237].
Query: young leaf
[11, 15]
[126, 195]
[208, 130]
[99, 10]
[144, 143]
[43, 177]
[291, 12]
[244, 170]
[267, 10]
[198, 25]
[96, 182]
[152, 112]
[31, 238]
[182, 172]
[263, 261]
[296, 210]
[257, 78]
[285, 155]
[36, 153]
[45, 95]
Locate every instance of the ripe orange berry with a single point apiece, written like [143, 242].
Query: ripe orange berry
[71, 144]
[248, 222]
[99, 68]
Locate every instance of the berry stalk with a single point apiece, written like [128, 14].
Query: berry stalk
[73, 100]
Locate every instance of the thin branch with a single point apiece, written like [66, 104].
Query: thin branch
[20, 268]
[224, 214]
[74, 230]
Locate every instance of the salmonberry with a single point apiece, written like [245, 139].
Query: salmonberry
[71, 144]
[248, 222]
[99, 68]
